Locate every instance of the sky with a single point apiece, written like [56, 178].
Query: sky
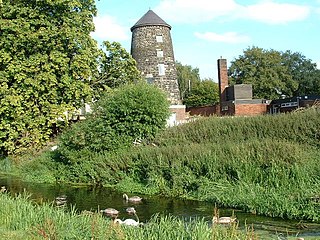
[206, 30]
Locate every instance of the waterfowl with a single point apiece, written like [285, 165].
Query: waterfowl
[132, 199]
[3, 189]
[61, 200]
[111, 212]
[129, 221]
[223, 220]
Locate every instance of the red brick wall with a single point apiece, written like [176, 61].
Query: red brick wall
[180, 112]
[250, 109]
[203, 111]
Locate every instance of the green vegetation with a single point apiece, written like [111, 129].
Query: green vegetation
[267, 165]
[193, 90]
[49, 66]
[117, 67]
[136, 111]
[47, 59]
[21, 219]
[273, 73]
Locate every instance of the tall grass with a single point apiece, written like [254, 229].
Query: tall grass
[266, 165]
[21, 219]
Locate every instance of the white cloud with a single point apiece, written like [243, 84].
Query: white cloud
[318, 64]
[107, 28]
[191, 11]
[228, 37]
[276, 13]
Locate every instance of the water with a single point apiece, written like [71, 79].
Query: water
[94, 199]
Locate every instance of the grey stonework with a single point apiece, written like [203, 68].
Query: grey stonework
[151, 55]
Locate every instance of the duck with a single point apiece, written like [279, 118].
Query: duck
[223, 220]
[132, 199]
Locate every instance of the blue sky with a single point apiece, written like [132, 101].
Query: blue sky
[205, 30]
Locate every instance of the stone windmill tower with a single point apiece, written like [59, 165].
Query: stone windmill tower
[151, 47]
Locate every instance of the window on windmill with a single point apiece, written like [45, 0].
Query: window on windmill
[159, 53]
[161, 69]
[159, 38]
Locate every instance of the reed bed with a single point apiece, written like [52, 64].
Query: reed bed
[22, 219]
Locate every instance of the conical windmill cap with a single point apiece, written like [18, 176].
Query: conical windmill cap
[150, 19]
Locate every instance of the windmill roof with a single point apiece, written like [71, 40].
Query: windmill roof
[150, 19]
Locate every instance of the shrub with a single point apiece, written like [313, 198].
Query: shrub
[136, 111]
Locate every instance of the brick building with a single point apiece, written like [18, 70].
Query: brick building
[235, 100]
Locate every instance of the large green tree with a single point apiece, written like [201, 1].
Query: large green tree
[273, 73]
[116, 67]
[47, 59]
[304, 72]
[264, 69]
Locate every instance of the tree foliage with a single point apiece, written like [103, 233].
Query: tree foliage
[187, 77]
[133, 111]
[273, 73]
[47, 59]
[202, 93]
[304, 72]
[265, 70]
[193, 90]
[117, 67]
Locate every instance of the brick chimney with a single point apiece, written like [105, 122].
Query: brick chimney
[223, 79]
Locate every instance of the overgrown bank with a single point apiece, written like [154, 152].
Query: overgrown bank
[267, 165]
[21, 219]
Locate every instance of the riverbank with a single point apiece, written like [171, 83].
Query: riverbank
[266, 165]
[22, 219]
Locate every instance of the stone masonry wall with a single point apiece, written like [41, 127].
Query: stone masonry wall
[146, 50]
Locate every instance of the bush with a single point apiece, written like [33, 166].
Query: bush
[137, 111]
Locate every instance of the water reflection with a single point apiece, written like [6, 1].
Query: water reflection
[95, 199]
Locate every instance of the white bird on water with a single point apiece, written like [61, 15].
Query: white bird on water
[129, 221]
[135, 199]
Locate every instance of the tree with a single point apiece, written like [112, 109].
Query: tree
[303, 72]
[265, 70]
[47, 60]
[117, 67]
[193, 90]
[133, 111]
[205, 92]
[187, 77]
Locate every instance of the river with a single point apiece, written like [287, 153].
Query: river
[96, 198]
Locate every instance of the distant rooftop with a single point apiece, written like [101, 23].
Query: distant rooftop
[150, 19]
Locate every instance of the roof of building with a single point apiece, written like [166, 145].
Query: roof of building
[296, 98]
[150, 19]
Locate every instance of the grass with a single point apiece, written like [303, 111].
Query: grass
[266, 165]
[22, 219]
